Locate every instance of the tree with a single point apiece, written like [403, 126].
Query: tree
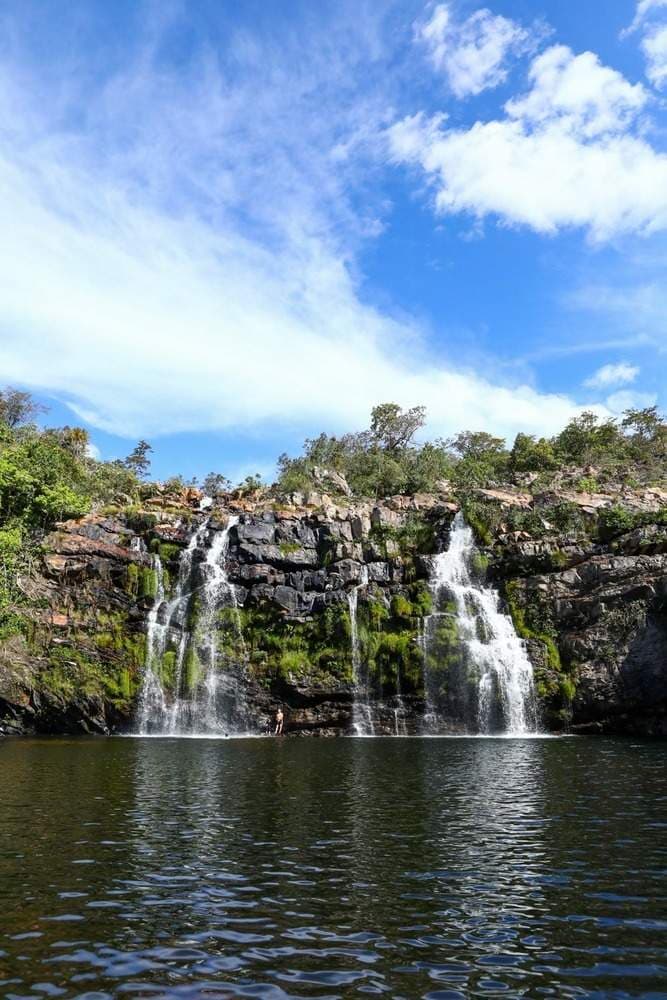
[476, 444]
[59, 501]
[215, 483]
[482, 458]
[393, 428]
[18, 407]
[138, 460]
[529, 455]
[250, 484]
[585, 439]
[646, 424]
[75, 440]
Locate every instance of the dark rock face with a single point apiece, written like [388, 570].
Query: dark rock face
[594, 616]
[609, 615]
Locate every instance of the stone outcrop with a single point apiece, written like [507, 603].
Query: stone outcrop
[593, 613]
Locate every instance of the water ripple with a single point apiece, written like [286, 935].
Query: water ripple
[437, 869]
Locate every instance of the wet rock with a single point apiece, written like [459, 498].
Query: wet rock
[254, 533]
[260, 573]
[348, 571]
[293, 601]
[379, 572]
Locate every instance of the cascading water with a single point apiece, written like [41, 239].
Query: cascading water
[476, 669]
[155, 715]
[400, 726]
[362, 717]
[196, 704]
[218, 684]
[152, 700]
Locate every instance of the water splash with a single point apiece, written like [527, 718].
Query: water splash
[487, 677]
[362, 716]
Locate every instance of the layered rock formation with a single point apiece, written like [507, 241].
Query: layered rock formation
[593, 611]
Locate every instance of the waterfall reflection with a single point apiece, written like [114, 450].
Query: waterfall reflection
[294, 868]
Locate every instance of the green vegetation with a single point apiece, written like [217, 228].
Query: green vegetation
[555, 681]
[378, 462]
[109, 670]
[532, 621]
[46, 476]
[288, 548]
[278, 647]
[385, 459]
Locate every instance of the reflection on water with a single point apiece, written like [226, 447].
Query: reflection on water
[300, 868]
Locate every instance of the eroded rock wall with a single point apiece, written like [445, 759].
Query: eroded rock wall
[594, 614]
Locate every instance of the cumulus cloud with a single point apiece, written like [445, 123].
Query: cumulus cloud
[566, 154]
[185, 260]
[585, 97]
[611, 375]
[471, 54]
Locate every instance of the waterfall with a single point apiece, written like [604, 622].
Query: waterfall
[400, 727]
[192, 704]
[476, 669]
[362, 718]
[176, 615]
[216, 682]
[152, 700]
[155, 715]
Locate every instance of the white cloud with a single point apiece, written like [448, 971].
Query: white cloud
[151, 325]
[654, 45]
[643, 10]
[472, 54]
[586, 98]
[654, 40]
[186, 260]
[562, 156]
[611, 375]
[625, 399]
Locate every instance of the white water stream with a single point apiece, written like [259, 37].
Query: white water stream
[216, 697]
[498, 670]
[362, 716]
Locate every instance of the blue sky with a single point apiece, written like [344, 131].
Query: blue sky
[227, 227]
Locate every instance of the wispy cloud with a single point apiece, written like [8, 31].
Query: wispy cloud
[637, 302]
[654, 45]
[626, 399]
[643, 10]
[179, 243]
[651, 19]
[611, 375]
[472, 54]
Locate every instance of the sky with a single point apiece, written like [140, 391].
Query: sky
[227, 227]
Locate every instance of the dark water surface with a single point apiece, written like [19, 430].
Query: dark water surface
[341, 868]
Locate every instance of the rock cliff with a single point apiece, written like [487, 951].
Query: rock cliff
[587, 593]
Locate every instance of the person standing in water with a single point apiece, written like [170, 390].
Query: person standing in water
[280, 721]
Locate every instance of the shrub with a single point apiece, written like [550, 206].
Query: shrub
[614, 521]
